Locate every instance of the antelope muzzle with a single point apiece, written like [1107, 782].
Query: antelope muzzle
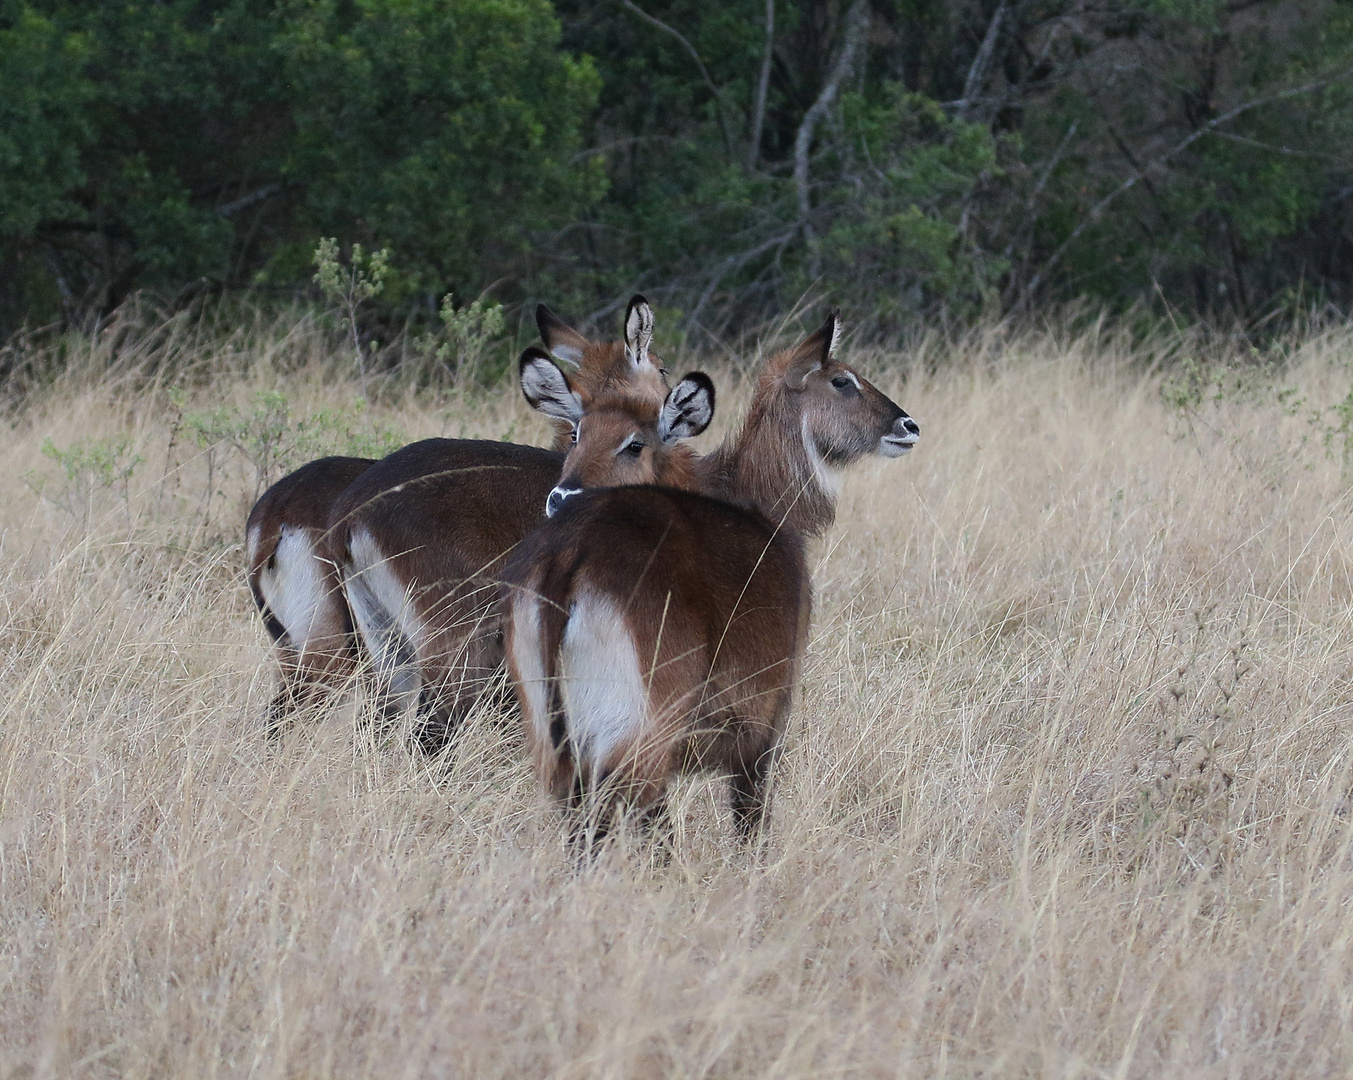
[556, 499]
[905, 433]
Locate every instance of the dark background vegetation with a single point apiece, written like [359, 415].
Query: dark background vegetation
[906, 158]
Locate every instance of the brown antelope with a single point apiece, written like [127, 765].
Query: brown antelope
[420, 538]
[639, 647]
[622, 438]
[419, 559]
[649, 632]
[298, 592]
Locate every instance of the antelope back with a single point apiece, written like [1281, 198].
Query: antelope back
[599, 366]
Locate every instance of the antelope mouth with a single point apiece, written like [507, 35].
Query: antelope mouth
[897, 445]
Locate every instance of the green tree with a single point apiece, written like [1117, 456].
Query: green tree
[210, 143]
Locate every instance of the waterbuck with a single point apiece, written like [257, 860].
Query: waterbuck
[297, 588]
[810, 416]
[650, 631]
[419, 539]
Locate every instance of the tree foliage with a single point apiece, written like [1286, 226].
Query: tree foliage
[212, 142]
[727, 158]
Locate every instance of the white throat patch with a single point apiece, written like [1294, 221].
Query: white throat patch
[828, 479]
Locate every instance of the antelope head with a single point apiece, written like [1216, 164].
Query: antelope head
[601, 365]
[843, 416]
[621, 438]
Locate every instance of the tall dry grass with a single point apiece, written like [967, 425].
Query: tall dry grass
[1066, 791]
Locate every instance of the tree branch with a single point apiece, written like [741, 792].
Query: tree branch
[762, 88]
[265, 192]
[857, 19]
[704, 71]
[1272, 149]
[735, 262]
[981, 63]
[1098, 209]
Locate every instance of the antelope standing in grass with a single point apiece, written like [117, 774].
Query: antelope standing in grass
[420, 538]
[649, 631]
[297, 589]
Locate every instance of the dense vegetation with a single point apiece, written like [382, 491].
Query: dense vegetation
[922, 157]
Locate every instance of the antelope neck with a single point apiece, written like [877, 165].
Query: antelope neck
[769, 465]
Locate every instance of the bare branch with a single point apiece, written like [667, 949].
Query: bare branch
[704, 71]
[1272, 149]
[265, 192]
[1098, 209]
[1053, 162]
[981, 64]
[735, 262]
[762, 88]
[857, 20]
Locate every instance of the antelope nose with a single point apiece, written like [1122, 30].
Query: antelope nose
[556, 499]
[905, 433]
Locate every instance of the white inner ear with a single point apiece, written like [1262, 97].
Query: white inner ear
[836, 338]
[569, 354]
[686, 412]
[639, 333]
[548, 391]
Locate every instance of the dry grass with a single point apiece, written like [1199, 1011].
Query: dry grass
[1066, 792]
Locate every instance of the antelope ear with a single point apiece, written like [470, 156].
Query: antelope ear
[547, 388]
[814, 351]
[688, 409]
[638, 331]
[560, 338]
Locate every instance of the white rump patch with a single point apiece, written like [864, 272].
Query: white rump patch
[603, 688]
[383, 613]
[294, 587]
[828, 479]
[528, 663]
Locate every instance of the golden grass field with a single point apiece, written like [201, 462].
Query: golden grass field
[1066, 791]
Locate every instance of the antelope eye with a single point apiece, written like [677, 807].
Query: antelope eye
[841, 382]
[635, 447]
[573, 436]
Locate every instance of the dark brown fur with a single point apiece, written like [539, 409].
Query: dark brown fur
[715, 601]
[444, 514]
[305, 500]
[439, 518]
[671, 569]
